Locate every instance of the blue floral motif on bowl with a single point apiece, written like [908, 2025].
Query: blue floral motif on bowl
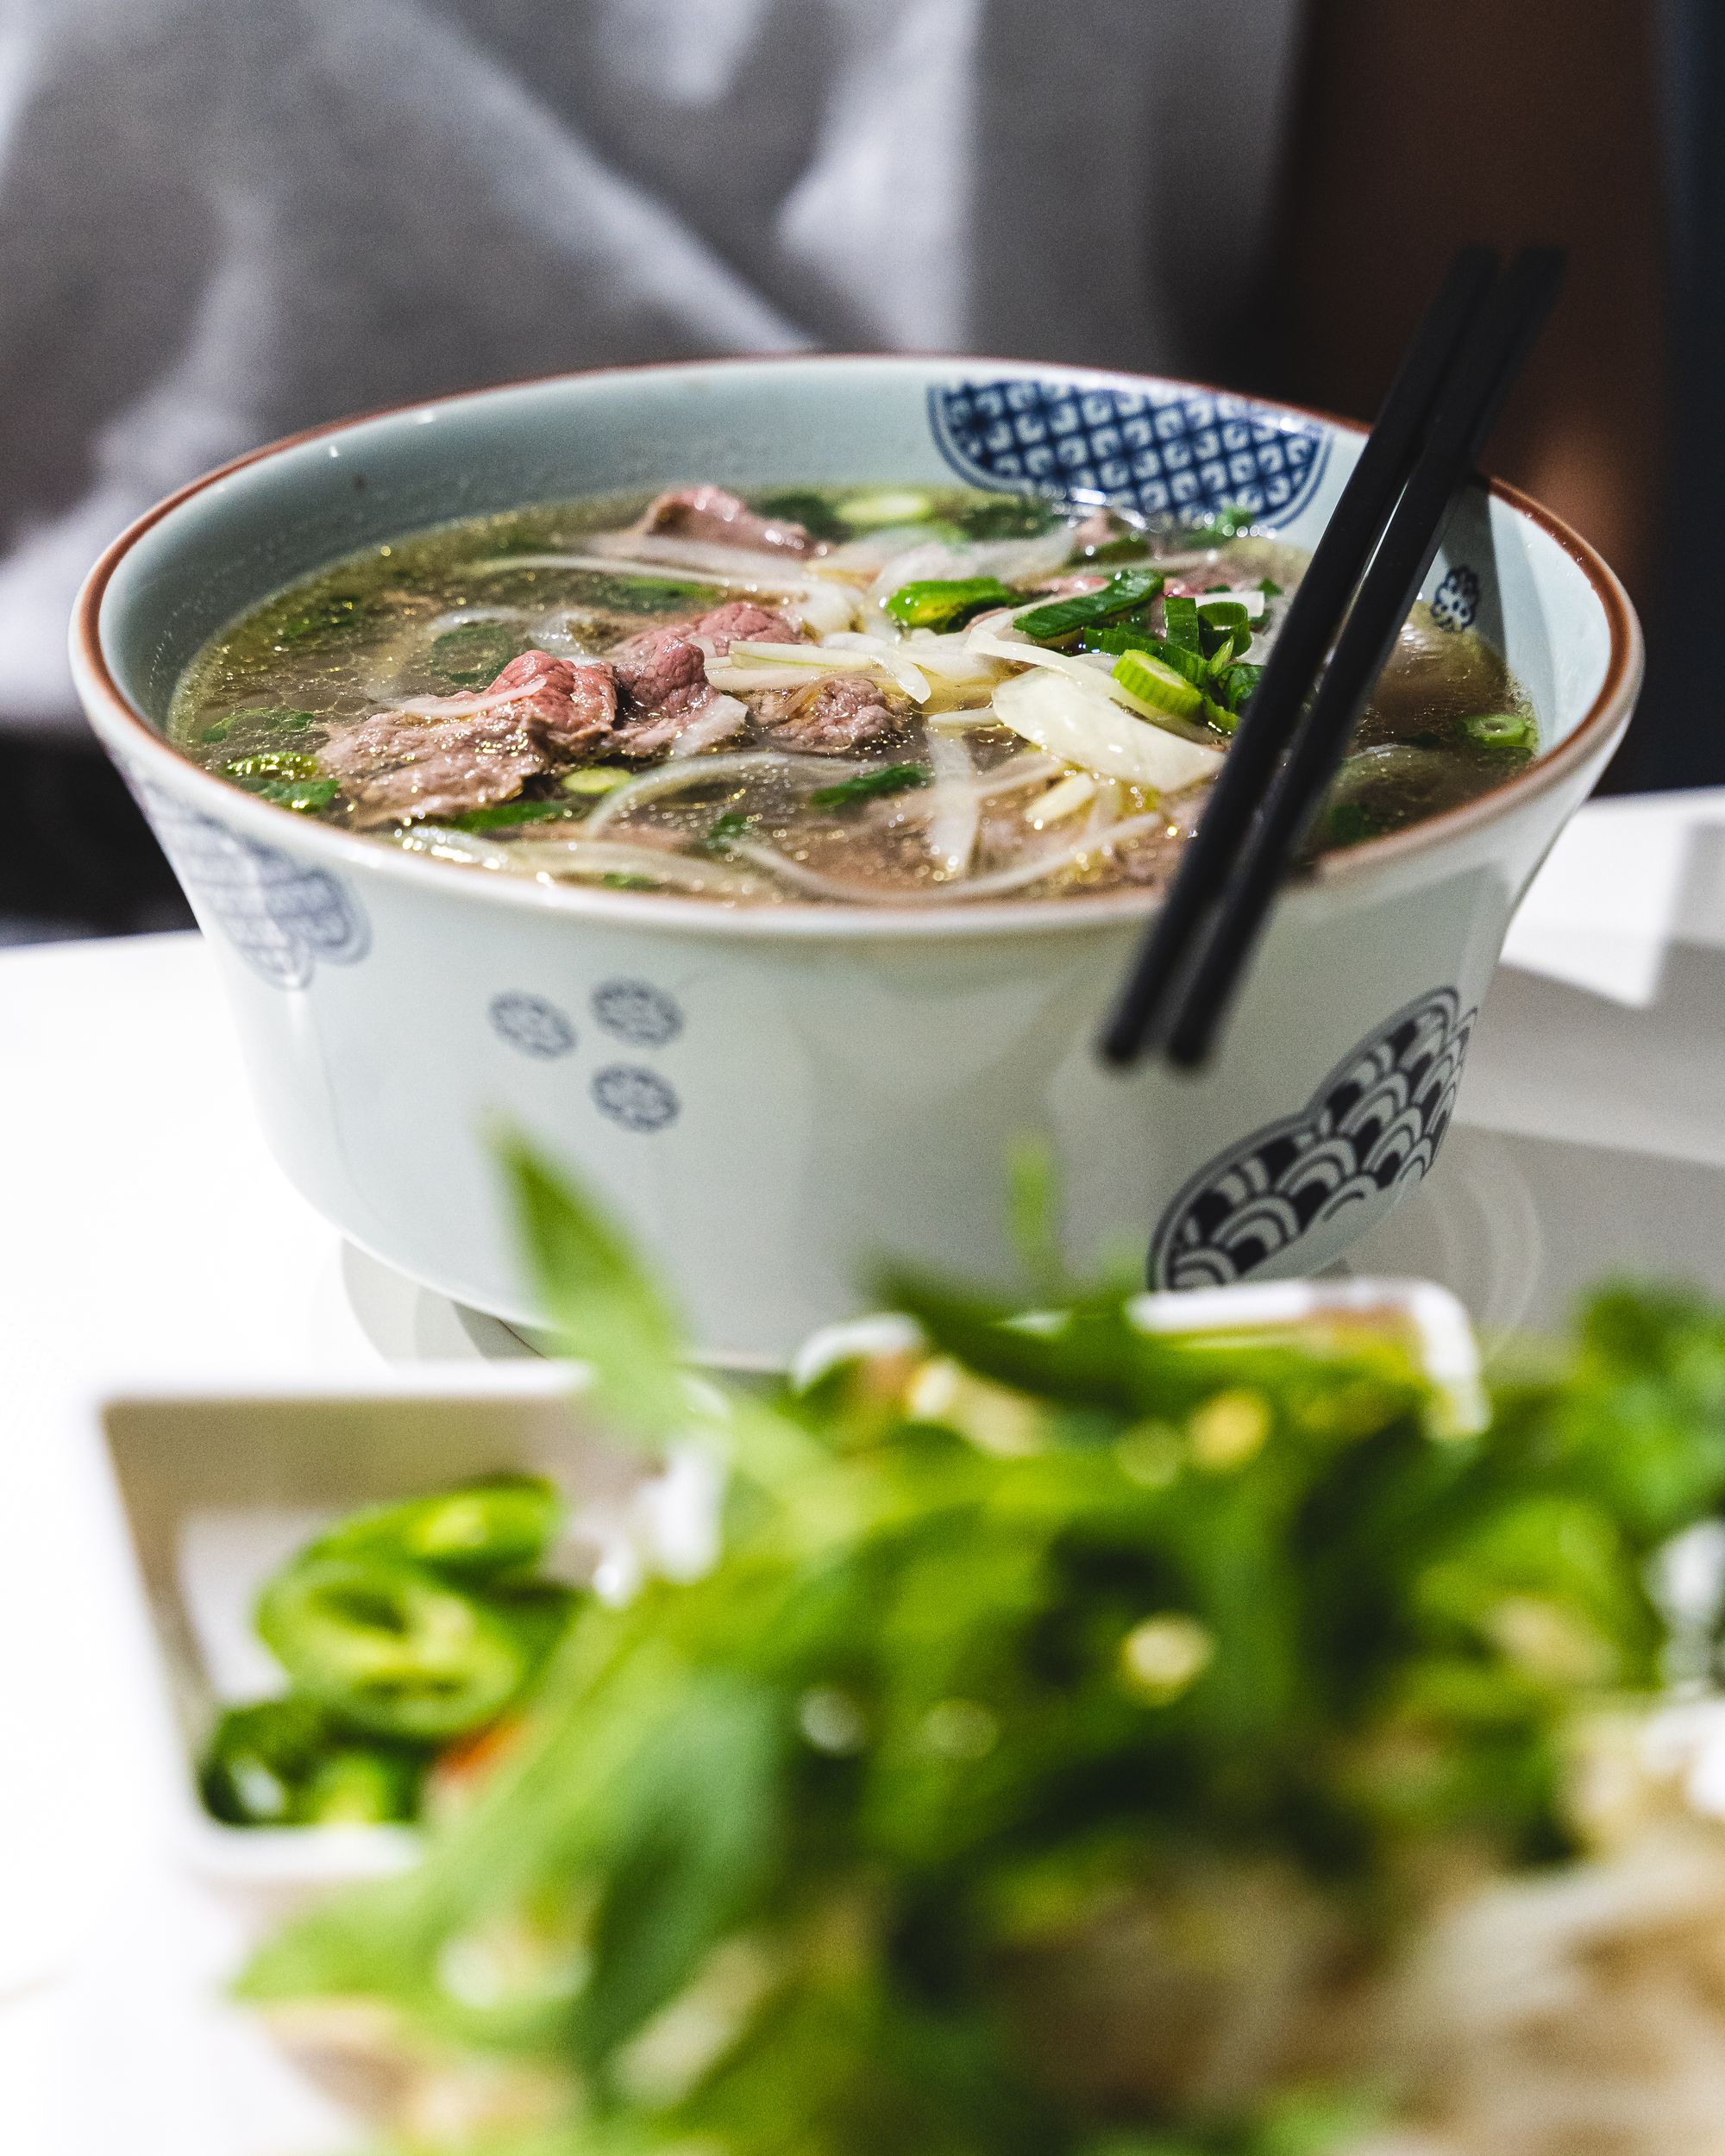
[283, 918]
[1165, 452]
[530, 1024]
[1374, 1124]
[1456, 601]
[638, 1099]
[635, 1011]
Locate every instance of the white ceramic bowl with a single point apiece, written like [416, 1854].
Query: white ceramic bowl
[776, 1100]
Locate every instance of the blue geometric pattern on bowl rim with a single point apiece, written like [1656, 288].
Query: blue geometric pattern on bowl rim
[1163, 451]
[283, 918]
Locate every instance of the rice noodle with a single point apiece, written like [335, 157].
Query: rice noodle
[956, 809]
[997, 884]
[1075, 791]
[673, 778]
[583, 857]
[464, 706]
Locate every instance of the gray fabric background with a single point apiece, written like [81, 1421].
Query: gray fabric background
[220, 220]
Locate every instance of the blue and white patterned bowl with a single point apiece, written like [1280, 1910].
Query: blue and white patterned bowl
[775, 1100]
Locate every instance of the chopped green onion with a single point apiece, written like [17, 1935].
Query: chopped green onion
[886, 505]
[1270, 587]
[1502, 732]
[734, 823]
[1237, 683]
[1185, 624]
[1125, 590]
[892, 778]
[500, 817]
[1227, 617]
[596, 778]
[271, 763]
[1160, 687]
[944, 602]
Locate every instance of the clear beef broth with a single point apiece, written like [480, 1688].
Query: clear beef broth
[881, 695]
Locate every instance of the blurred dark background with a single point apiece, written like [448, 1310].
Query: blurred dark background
[219, 224]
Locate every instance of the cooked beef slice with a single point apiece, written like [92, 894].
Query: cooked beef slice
[845, 711]
[576, 699]
[717, 517]
[393, 766]
[663, 673]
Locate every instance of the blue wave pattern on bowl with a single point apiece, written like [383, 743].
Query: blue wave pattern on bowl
[1161, 451]
[282, 918]
[1374, 1124]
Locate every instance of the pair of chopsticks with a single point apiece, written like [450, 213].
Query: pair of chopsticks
[1362, 579]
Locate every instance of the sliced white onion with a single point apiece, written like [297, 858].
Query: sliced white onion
[1093, 671]
[463, 706]
[1081, 724]
[955, 810]
[823, 604]
[819, 607]
[717, 722]
[673, 778]
[1075, 791]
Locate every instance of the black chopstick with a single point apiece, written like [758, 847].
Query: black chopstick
[1314, 614]
[1491, 359]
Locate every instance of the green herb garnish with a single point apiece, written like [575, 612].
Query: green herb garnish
[734, 823]
[331, 616]
[1127, 589]
[502, 814]
[258, 717]
[1009, 517]
[471, 656]
[946, 603]
[796, 505]
[868, 786]
[271, 763]
[305, 796]
[1052, 1673]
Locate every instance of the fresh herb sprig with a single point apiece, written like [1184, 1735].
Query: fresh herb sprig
[1031, 1635]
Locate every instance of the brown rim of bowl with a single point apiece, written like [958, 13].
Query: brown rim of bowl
[1606, 714]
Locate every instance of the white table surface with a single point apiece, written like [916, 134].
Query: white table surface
[147, 1240]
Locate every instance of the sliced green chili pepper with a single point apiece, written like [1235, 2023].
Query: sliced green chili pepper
[284, 1763]
[1503, 732]
[500, 1523]
[1126, 589]
[390, 1648]
[945, 603]
[361, 1785]
[894, 778]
